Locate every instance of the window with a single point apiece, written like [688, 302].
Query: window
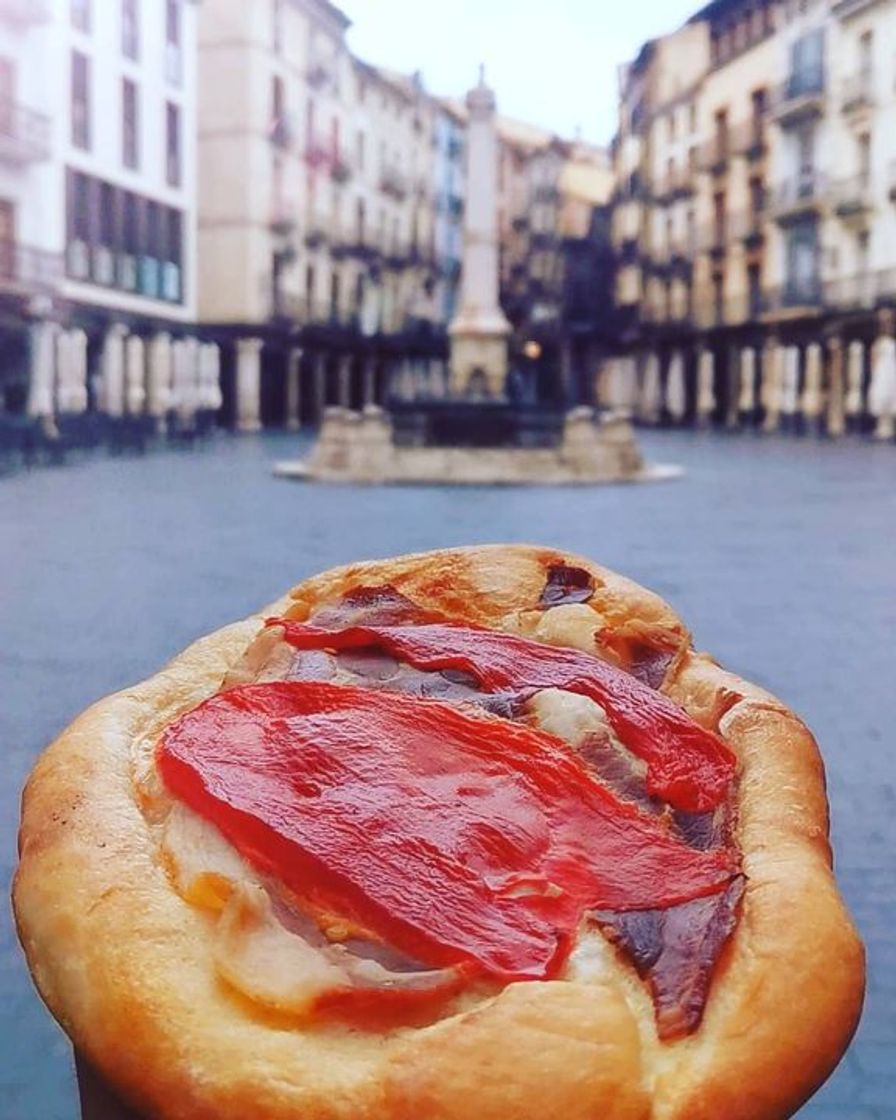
[754, 290]
[80, 14]
[172, 280]
[277, 26]
[718, 206]
[78, 223]
[130, 148]
[309, 285]
[130, 29]
[757, 197]
[802, 264]
[359, 149]
[361, 214]
[80, 100]
[866, 52]
[172, 145]
[807, 64]
[864, 142]
[173, 58]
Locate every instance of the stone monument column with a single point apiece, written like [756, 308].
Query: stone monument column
[480, 329]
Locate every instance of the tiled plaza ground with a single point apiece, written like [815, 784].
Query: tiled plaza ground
[780, 554]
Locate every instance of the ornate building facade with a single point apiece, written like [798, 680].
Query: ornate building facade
[98, 223]
[754, 219]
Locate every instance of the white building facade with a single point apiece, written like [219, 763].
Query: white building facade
[106, 204]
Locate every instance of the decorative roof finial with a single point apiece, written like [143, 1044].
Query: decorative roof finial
[482, 73]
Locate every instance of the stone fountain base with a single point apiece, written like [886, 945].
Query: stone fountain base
[360, 447]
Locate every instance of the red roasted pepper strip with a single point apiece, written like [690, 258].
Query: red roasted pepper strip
[458, 838]
[687, 765]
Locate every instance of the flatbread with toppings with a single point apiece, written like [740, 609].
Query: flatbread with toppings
[468, 833]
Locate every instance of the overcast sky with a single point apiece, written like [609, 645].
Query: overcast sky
[552, 62]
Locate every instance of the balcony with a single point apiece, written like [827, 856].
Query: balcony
[396, 255]
[301, 311]
[795, 297]
[25, 13]
[800, 197]
[321, 72]
[24, 134]
[748, 226]
[748, 139]
[547, 193]
[714, 238]
[27, 271]
[316, 233]
[281, 220]
[800, 98]
[858, 92]
[360, 246]
[715, 154]
[281, 131]
[852, 197]
[393, 183]
[340, 168]
[317, 153]
[678, 183]
[422, 256]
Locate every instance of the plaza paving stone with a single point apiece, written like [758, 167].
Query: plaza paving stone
[779, 553]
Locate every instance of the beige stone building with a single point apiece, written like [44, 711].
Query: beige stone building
[753, 220]
[315, 230]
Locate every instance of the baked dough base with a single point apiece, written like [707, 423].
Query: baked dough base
[124, 963]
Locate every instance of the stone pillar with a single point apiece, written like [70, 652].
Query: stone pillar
[293, 390]
[135, 375]
[158, 382]
[63, 359]
[706, 396]
[835, 422]
[651, 390]
[112, 396]
[42, 369]
[790, 383]
[210, 397]
[732, 385]
[772, 358]
[480, 330]
[369, 384]
[811, 401]
[320, 386]
[248, 385]
[676, 401]
[345, 381]
[855, 374]
[882, 391]
[77, 401]
[746, 401]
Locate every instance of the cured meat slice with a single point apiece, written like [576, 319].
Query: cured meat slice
[422, 822]
[675, 950]
[566, 584]
[687, 765]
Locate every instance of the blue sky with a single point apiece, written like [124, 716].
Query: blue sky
[552, 62]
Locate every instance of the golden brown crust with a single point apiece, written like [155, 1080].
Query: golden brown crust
[118, 955]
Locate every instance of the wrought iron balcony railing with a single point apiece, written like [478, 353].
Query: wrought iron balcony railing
[801, 95]
[852, 196]
[393, 182]
[24, 133]
[805, 192]
[748, 138]
[715, 153]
